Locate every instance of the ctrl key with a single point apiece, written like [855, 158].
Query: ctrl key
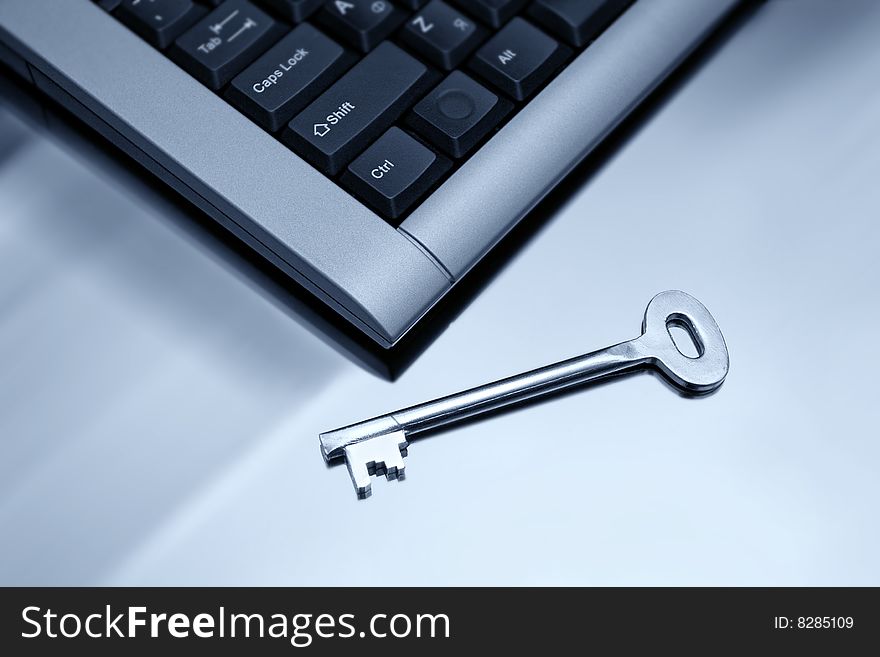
[394, 173]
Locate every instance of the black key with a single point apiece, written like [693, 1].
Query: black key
[159, 21]
[494, 12]
[412, 4]
[288, 77]
[443, 35]
[225, 41]
[458, 114]
[362, 23]
[295, 11]
[358, 108]
[394, 173]
[577, 21]
[109, 5]
[519, 58]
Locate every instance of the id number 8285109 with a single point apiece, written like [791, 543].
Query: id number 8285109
[813, 622]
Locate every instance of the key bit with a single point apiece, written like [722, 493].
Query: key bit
[378, 446]
[380, 455]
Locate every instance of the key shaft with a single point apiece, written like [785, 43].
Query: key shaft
[462, 405]
[514, 389]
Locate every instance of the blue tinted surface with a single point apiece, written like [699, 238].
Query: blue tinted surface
[159, 412]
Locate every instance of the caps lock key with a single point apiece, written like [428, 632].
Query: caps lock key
[288, 77]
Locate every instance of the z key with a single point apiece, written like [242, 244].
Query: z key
[442, 35]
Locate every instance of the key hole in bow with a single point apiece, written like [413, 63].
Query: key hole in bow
[684, 337]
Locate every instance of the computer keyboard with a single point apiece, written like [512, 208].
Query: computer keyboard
[387, 99]
[374, 151]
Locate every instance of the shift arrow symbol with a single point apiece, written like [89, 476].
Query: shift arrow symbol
[321, 129]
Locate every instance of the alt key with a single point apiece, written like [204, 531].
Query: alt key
[394, 173]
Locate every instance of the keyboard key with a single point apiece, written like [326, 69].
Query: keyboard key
[288, 77]
[225, 41]
[412, 4]
[458, 114]
[577, 21]
[442, 35]
[494, 12]
[394, 173]
[296, 11]
[362, 23]
[159, 21]
[519, 58]
[358, 108]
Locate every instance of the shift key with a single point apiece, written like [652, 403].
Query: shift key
[359, 107]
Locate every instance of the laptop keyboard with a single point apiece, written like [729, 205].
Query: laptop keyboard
[386, 98]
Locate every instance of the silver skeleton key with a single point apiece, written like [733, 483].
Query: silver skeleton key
[378, 446]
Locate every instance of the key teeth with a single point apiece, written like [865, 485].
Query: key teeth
[377, 456]
[379, 468]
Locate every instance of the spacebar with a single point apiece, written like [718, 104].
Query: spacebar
[342, 122]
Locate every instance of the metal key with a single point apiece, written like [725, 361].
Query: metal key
[378, 446]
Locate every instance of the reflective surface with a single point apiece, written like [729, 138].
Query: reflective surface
[159, 409]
